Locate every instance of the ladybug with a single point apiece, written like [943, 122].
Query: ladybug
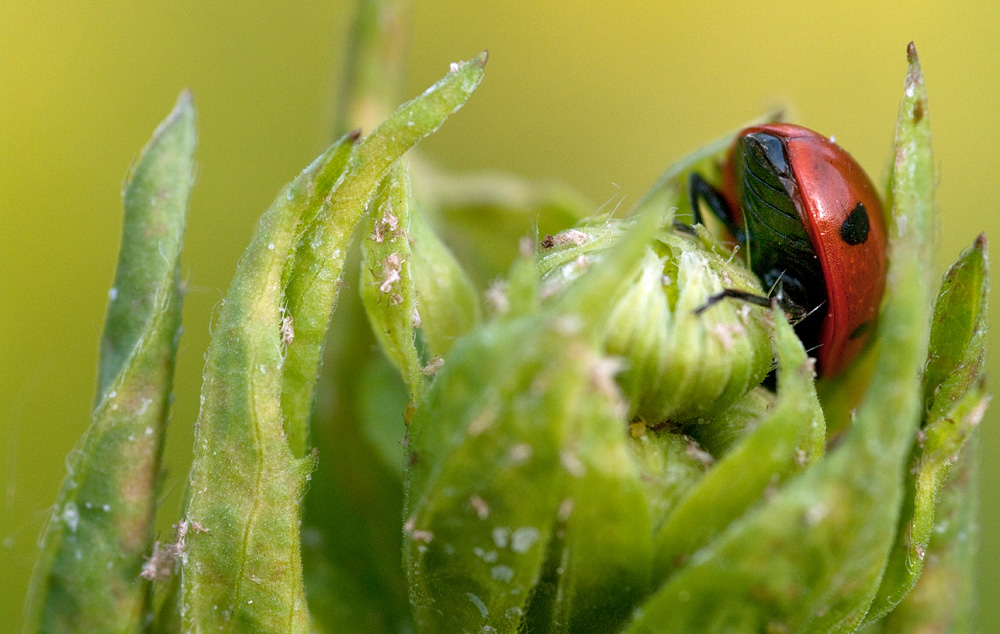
[811, 225]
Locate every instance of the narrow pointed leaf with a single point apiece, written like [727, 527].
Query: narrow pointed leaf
[944, 597]
[604, 527]
[93, 549]
[319, 257]
[953, 383]
[242, 570]
[387, 288]
[447, 300]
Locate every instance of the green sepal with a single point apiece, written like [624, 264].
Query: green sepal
[958, 333]
[101, 528]
[601, 553]
[242, 568]
[318, 262]
[720, 433]
[446, 298]
[944, 597]
[956, 402]
[670, 464]
[386, 284]
[485, 478]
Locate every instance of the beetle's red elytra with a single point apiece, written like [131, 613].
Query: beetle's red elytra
[812, 227]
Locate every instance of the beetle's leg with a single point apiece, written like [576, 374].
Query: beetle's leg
[734, 293]
[700, 190]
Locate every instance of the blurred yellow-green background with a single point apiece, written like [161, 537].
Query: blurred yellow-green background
[601, 95]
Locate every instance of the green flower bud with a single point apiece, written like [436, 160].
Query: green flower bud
[679, 363]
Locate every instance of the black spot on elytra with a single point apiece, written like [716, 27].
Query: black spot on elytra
[861, 330]
[854, 229]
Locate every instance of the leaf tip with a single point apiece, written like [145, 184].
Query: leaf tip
[915, 75]
[183, 108]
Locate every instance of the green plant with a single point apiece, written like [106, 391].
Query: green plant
[591, 455]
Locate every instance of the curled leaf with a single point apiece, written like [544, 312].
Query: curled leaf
[387, 288]
[100, 531]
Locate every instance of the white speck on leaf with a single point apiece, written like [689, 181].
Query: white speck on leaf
[572, 464]
[816, 513]
[489, 556]
[71, 515]
[502, 573]
[520, 452]
[501, 536]
[480, 506]
[524, 538]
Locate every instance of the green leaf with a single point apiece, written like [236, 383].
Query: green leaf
[88, 574]
[387, 288]
[811, 557]
[943, 599]
[958, 332]
[447, 300]
[241, 528]
[318, 263]
[480, 439]
[953, 384]
[670, 464]
[602, 551]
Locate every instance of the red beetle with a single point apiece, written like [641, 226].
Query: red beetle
[812, 227]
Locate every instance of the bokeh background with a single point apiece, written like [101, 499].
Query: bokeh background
[602, 95]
